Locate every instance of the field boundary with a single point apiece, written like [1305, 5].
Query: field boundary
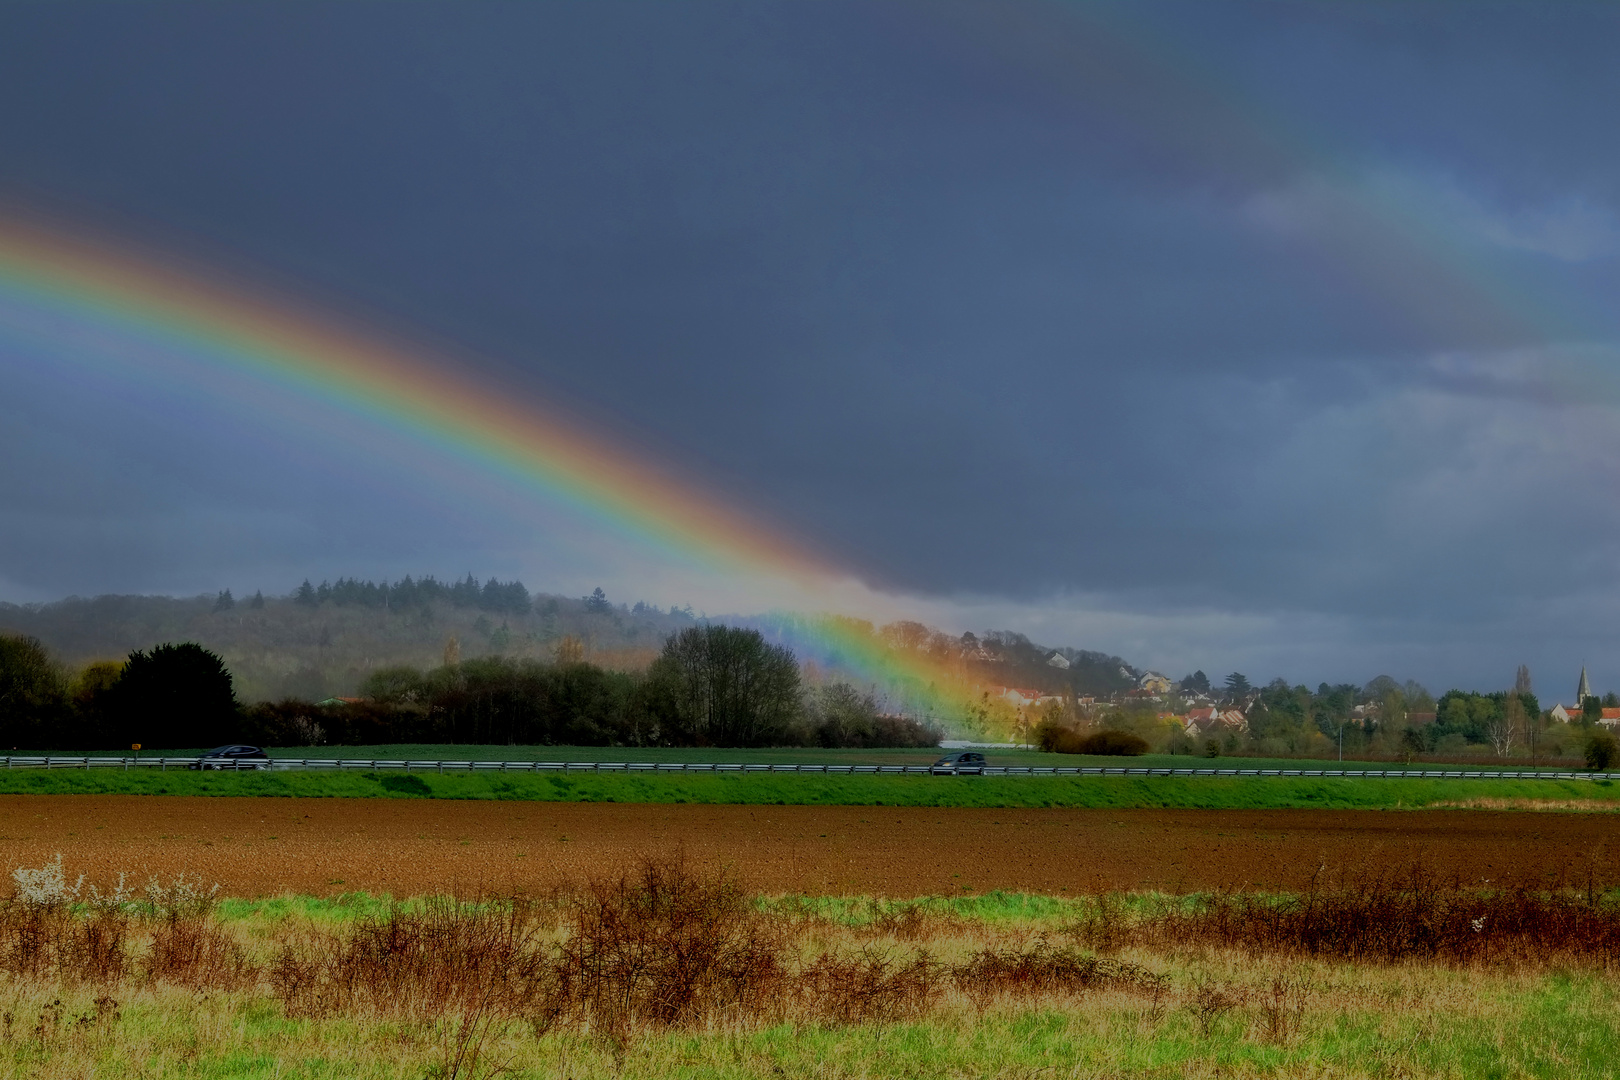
[163, 764]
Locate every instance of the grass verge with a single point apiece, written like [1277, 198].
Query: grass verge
[1151, 792]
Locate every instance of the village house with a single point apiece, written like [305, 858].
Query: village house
[1206, 722]
[1020, 696]
[1609, 717]
[1155, 684]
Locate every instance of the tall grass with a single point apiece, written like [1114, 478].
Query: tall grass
[666, 970]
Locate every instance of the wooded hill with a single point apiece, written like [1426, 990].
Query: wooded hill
[327, 645]
[324, 640]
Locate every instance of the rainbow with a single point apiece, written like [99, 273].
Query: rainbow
[84, 283]
[361, 374]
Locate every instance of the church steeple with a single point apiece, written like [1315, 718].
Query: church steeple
[1584, 691]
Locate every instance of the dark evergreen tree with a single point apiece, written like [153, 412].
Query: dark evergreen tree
[258, 600]
[306, 594]
[466, 592]
[224, 601]
[176, 696]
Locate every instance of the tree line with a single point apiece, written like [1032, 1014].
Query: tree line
[1381, 720]
[506, 597]
[710, 686]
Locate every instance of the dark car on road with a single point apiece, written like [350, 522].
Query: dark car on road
[967, 761]
[235, 756]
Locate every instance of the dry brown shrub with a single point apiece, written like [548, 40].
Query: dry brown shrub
[1211, 1001]
[47, 932]
[663, 945]
[909, 921]
[191, 951]
[1104, 925]
[421, 962]
[658, 946]
[1282, 1008]
[42, 941]
[1044, 969]
[870, 986]
[1387, 918]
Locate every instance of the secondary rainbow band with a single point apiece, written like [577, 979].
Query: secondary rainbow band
[111, 288]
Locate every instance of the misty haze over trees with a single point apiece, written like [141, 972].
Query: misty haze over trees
[324, 640]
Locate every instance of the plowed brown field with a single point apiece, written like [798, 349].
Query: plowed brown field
[407, 846]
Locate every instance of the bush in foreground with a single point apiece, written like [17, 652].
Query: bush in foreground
[1602, 750]
[1109, 743]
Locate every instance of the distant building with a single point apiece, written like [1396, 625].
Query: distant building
[1019, 696]
[1608, 718]
[1201, 723]
[1201, 716]
[1154, 683]
[1058, 660]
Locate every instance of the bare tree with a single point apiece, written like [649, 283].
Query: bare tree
[1523, 694]
[1506, 726]
[730, 686]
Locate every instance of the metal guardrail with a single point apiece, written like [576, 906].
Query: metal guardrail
[379, 765]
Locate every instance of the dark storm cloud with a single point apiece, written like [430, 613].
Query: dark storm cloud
[1001, 300]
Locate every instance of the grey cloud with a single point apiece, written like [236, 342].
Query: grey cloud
[1171, 310]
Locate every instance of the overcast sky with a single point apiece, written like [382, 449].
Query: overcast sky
[1270, 337]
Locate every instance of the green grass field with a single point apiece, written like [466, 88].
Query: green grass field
[1439, 1027]
[819, 789]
